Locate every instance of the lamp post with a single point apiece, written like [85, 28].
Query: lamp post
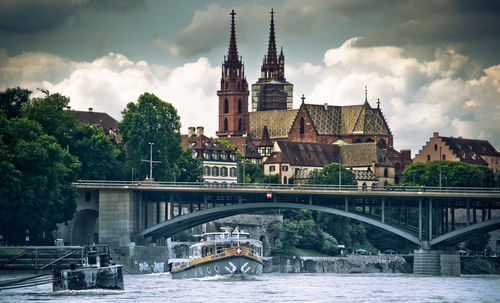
[440, 168]
[244, 156]
[340, 170]
[151, 161]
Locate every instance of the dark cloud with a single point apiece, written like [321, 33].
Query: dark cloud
[26, 16]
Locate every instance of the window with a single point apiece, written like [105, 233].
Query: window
[223, 156]
[239, 124]
[233, 157]
[226, 106]
[428, 158]
[272, 168]
[223, 172]
[194, 154]
[296, 171]
[238, 85]
[386, 172]
[239, 104]
[364, 186]
[225, 124]
[285, 167]
[206, 155]
[215, 155]
[444, 158]
[232, 172]
[435, 147]
[191, 144]
[225, 85]
[88, 196]
[207, 170]
[302, 126]
[215, 171]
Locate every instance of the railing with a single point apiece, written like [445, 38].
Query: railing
[307, 187]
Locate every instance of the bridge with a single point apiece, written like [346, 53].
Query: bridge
[433, 218]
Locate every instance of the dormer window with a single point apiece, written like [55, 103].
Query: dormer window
[233, 157]
[206, 155]
[194, 154]
[223, 156]
[191, 144]
[215, 156]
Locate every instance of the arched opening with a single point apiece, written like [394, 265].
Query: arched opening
[435, 147]
[239, 124]
[386, 172]
[85, 228]
[226, 106]
[285, 180]
[386, 183]
[444, 157]
[364, 186]
[382, 144]
[225, 124]
[428, 158]
[302, 126]
[239, 106]
[215, 171]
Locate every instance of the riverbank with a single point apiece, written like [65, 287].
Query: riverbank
[478, 266]
[347, 264]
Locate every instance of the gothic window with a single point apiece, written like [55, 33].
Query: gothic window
[225, 124]
[428, 158]
[381, 143]
[238, 85]
[435, 147]
[386, 172]
[225, 85]
[226, 106]
[239, 124]
[239, 105]
[302, 126]
[215, 171]
[364, 186]
[444, 158]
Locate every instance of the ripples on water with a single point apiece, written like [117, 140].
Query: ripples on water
[279, 288]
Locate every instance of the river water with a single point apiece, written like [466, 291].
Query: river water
[279, 288]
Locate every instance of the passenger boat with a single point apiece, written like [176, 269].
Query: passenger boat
[230, 253]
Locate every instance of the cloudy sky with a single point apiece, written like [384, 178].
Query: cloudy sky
[434, 65]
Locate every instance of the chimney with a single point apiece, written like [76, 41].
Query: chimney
[90, 109]
[200, 130]
[190, 131]
[435, 134]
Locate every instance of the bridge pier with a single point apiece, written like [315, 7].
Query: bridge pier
[436, 262]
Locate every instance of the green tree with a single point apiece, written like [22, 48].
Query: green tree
[12, 101]
[329, 174]
[152, 120]
[36, 181]
[453, 174]
[189, 167]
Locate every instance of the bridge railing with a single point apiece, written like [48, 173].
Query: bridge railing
[315, 187]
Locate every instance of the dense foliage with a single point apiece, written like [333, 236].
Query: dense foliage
[254, 174]
[329, 174]
[152, 120]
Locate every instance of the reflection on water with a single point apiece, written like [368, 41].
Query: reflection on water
[279, 288]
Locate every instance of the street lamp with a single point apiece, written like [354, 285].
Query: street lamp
[440, 168]
[244, 155]
[151, 161]
[340, 170]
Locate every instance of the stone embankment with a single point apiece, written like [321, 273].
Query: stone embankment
[347, 264]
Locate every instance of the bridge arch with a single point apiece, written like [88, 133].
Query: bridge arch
[180, 223]
[85, 227]
[466, 233]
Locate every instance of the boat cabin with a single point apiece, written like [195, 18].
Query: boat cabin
[217, 242]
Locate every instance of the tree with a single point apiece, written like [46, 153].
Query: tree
[12, 101]
[36, 181]
[152, 120]
[329, 174]
[453, 174]
[189, 167]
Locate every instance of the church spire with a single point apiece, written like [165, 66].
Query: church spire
[232, 54]
[271, 47]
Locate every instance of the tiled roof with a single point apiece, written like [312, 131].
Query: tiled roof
[278, 122]
[363, 154]
[364, 175]
[305, 154]
[102, 119]
[265, 140]
[244, 145]
[470, 150]
[344, 120]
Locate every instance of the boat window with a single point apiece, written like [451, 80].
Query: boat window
[220, 249]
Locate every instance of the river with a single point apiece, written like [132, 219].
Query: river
[279, 288]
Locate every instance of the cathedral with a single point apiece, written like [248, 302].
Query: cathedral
[273, 118]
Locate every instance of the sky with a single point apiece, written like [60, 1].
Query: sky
[433, 64]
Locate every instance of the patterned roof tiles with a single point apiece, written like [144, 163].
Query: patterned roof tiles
[278, 122]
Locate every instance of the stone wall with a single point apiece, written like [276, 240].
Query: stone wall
[348, 264]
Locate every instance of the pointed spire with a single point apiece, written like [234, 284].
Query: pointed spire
[366, 94]
[378, 103]
[271, 48]
[232, 54]
[303, 98]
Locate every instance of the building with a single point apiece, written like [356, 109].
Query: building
[219, 163]
[108, 124]
[272, 91]
[472, 151]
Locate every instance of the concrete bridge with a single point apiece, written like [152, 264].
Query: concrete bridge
[434, 218]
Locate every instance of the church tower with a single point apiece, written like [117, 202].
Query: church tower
[272, 91]
[233, 93]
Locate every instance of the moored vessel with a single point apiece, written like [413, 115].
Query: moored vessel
[230, 253]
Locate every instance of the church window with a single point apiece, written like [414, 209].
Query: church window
[238, 85]
[428, 158]
[302, 126]
[239, 124]
[226, 106]
[386, 172]
[239, 106]
[215, 171]
[435, 147]
[225, 124]
[225, 85]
